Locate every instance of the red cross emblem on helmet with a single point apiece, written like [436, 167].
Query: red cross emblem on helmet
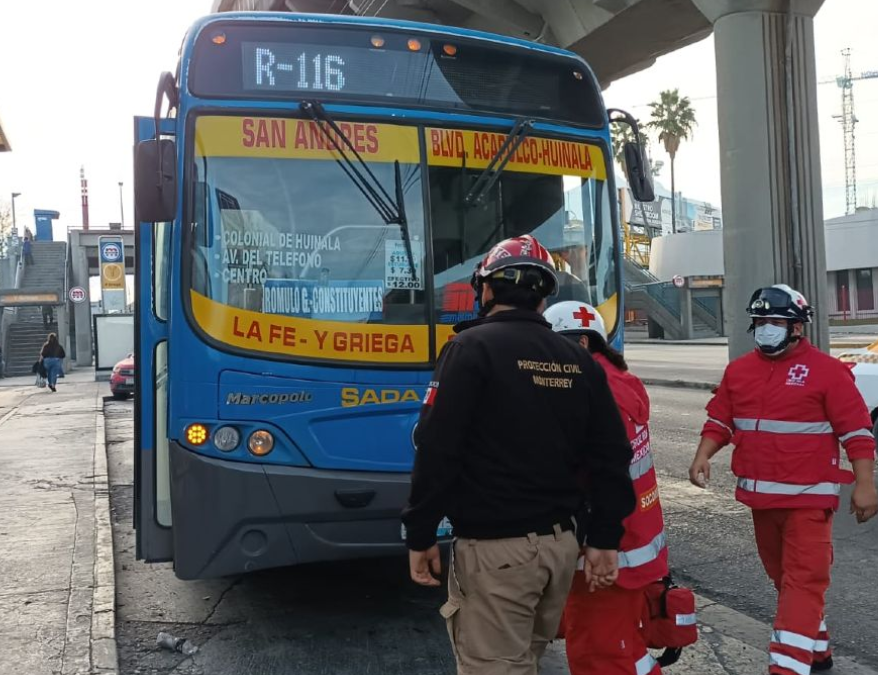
[584, 316]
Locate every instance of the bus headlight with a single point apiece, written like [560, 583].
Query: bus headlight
[261, 442]
[196, 434]
[226, 438]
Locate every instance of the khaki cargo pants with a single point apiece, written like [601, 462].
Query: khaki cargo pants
[505, 599]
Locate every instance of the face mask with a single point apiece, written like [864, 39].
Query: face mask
[770, 338]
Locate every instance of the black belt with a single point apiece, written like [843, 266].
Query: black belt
[565, 523]
[511, 531]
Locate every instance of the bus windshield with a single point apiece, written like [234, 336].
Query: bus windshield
[280, 229]
[287, 254]
[569, 215]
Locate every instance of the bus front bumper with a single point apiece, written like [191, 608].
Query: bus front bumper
[233, 517]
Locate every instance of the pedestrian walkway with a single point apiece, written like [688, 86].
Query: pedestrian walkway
[56, 566]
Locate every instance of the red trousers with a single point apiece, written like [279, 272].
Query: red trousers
[795, 546]
[603, 631]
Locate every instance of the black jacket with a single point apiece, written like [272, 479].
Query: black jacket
[513, 416]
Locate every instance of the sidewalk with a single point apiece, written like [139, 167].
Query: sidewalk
[56, 553]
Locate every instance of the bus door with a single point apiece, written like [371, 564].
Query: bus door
[152, 496]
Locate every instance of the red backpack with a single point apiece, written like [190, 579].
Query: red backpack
[669, 619]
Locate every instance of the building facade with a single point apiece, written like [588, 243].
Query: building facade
[851, 262]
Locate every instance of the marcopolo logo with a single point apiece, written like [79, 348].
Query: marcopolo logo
[239, 398]
[111, 252]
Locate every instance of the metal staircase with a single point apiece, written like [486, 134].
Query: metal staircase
[661, 301]
[26, 335]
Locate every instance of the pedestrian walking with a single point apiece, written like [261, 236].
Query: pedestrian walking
[602, 629]
[513, 414]
[52, 356]
[48, 316]
[27, 251]
[786, 406]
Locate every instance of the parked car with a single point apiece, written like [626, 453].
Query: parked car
[122, 378]
[865, 367]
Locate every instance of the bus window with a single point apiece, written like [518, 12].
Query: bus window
[161, 273]
[569, 214]
[281, 232]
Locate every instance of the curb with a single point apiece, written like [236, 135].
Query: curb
[723, 629]
[679, 384]
[104, 657]
[853, 344]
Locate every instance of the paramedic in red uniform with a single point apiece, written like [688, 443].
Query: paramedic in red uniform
[602, 628]
[785, 407]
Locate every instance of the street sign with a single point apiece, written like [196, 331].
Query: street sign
[679, 281]
[111, 251]
[77, 294]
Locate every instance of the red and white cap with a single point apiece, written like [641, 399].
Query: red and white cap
[574, 318]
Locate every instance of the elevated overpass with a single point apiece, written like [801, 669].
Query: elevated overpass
[4, 141]
[616, 37]
[767, 102]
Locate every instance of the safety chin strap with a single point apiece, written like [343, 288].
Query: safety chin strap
[488, 306]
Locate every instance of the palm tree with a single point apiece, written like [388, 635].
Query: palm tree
[674, 119]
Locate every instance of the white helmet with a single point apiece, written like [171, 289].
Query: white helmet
[779, 302]
[575, 317]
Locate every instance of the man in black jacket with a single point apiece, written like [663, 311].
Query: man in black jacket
[514, 420]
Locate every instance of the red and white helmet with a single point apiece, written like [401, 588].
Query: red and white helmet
[779, 302]
[510, 257]
[575, 318]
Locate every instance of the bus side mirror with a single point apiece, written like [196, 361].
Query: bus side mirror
[155, 181]
[638, 177]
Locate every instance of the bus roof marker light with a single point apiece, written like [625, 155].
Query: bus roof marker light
[261, 442]
[449, 50]
[414, 45]
[218, 38]
[196, 434]
[577, 75]
[226, 439]
[377, 41]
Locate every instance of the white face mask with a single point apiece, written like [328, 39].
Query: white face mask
[769, 337]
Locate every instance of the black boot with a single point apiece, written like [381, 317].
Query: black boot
[820, 666]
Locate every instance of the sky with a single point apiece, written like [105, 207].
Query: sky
[74, 74]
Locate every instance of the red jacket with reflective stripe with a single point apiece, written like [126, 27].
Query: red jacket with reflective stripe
[643, 552]
[786, 417]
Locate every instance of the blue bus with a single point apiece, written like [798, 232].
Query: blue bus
[312, 195]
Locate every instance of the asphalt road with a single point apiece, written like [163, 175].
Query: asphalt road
[701, 363]
[358, 618]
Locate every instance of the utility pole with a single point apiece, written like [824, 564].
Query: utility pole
[121, 207]
[83, 183]
[14, 226]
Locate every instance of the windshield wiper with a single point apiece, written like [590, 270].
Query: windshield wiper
[489, 177]
[392, 213]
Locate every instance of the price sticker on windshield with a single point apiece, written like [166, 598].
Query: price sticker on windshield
[401, 272]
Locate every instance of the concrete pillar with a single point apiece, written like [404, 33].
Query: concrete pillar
[63, 332]
[82, 311]
[769, 155]
[686, 323]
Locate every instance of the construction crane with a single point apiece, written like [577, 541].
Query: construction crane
[849, 121]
